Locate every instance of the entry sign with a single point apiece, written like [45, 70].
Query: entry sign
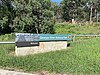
[55, 37]
[26, 40]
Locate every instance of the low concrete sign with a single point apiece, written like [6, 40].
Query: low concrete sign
[27, 43]
[28, 39]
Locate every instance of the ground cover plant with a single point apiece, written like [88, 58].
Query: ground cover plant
[84, 28]
[81, 58]
[7, 37]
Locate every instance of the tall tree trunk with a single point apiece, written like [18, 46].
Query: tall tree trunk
[97, 17]
[95, 14]
[73, 20]
[91, 15]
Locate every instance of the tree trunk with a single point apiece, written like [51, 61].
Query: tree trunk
[91, 15]
[73, 20]
[95, 14]
[97, 18]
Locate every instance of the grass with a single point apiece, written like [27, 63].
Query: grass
[82, 58]
[7, 37]
[76, 29]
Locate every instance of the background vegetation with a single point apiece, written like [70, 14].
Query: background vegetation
[82, 28]
[36, 16]
[7, 37]
[44, 16]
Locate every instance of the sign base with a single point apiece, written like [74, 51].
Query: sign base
[43, 47]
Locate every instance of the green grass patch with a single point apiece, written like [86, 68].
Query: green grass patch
[76, 29]
[7, 37]
[81, 58]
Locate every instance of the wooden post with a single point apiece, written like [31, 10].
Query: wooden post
[73, 37]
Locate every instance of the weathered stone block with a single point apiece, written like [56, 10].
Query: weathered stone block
[43, 47]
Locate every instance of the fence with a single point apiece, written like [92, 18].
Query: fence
[84, 36]
[7, 42]
[74, 37]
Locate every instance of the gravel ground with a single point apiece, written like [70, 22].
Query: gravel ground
[6, 72]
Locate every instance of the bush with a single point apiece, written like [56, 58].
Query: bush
[7, 37]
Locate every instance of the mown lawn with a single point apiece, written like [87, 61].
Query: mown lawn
[81, 58]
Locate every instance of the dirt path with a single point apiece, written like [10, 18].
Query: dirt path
[6, 72]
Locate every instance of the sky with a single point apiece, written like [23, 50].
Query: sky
[57, 1]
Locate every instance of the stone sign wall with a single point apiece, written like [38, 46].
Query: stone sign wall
[32, 43]
[43, 47]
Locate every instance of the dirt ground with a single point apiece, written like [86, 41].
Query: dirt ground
[8, 72]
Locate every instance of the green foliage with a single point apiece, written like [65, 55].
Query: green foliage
[81, 10]
[7, 15]
[70, 9]
[33, 16]
[7, 37]
[82, 58]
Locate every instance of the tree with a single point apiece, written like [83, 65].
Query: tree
[70, 9]
[84, 10]
[6, 16]
[34, 16]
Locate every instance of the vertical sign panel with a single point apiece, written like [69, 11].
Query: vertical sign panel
[26, 40]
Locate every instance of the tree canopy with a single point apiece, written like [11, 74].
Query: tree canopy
[34, 16]
[39, 16]
[81, 9]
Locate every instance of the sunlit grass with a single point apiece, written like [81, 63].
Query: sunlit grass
[83, 57]
[76, 29]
